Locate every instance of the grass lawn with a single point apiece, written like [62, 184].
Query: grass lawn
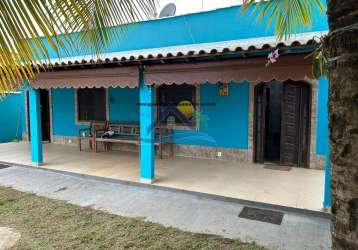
[52, 224]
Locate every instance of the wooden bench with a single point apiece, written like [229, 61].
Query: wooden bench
[127, 133]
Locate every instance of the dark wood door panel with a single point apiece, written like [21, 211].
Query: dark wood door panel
[305, 124]
[45, 114]
[295, 123]
[290, 124]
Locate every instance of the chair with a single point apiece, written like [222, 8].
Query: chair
[86, 134]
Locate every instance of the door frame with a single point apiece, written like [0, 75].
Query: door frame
[308, 129]
[259, 157]
[28, 115]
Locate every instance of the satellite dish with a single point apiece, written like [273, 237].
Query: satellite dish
[168, 10]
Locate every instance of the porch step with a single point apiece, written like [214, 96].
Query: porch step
[3, 166]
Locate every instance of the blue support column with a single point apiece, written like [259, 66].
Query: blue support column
[327, 199]
[35, 127]
[147, 131]
[322, 143]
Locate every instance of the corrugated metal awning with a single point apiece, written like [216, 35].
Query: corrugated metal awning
[96, 77]
[116, 70]
[294, 67]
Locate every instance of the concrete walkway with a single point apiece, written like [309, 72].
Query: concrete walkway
[187, 211]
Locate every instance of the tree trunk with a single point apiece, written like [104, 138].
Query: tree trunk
[343, 107]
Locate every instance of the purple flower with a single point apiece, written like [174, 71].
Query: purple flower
[272, 57]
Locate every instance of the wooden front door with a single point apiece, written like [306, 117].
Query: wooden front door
[293, 140]
[295, 124]
[45, 114]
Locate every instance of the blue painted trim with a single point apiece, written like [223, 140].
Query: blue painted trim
[327, 199]
[35, 126]
[147, 130]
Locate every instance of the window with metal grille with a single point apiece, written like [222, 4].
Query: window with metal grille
[91, 104]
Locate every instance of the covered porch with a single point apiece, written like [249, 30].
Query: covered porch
[298, 187]
[132, 89]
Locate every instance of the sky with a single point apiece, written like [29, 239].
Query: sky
[191, 6]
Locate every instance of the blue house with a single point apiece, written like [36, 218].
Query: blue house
[196, 86]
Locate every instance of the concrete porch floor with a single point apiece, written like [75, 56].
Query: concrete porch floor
[298, 188]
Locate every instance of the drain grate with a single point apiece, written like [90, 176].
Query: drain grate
[263, 215]
[2, 166]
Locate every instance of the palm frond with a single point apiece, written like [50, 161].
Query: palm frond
[32, 30]
[287, 16]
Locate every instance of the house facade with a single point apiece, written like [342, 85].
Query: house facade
[225, 128]
[204, 75]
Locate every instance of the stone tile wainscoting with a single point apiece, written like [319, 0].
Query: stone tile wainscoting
[211, 153]
[73, 141]
[169, 150]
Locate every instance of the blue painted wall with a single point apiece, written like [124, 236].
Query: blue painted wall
[12, 117]
[224, 124]
[122, 107]
[225, 24]
[123, 104]
[63, 112]
[322, 139]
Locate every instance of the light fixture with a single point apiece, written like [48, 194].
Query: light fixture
[224, 89]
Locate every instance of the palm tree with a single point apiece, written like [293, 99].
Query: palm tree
[23, 22]
[341, 46]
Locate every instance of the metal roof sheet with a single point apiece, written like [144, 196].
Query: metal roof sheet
[222, 47]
